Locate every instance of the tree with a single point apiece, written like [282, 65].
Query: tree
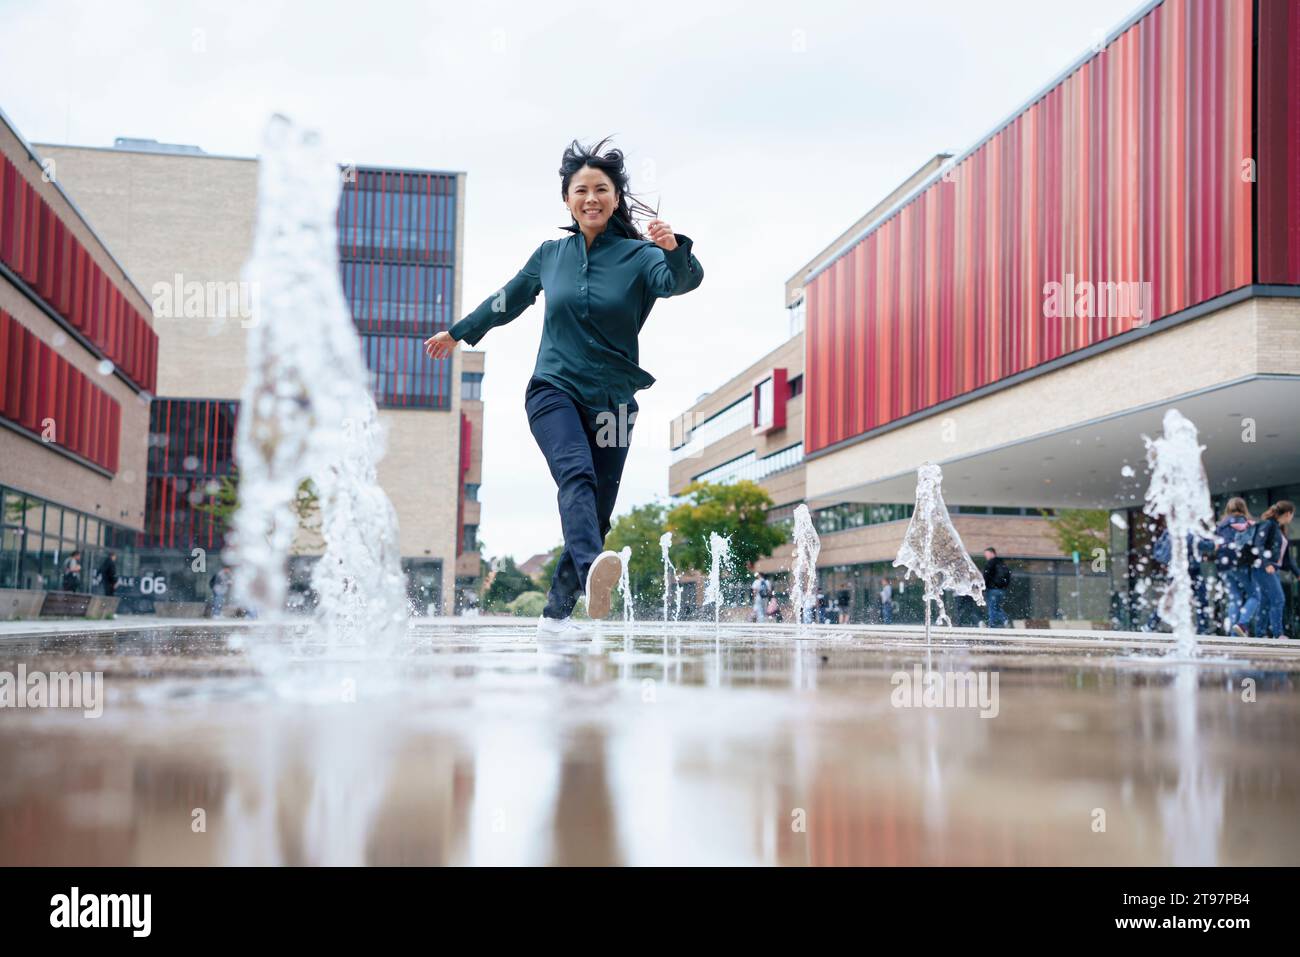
[737, 509]
[641, 528]
[225, 502]
[507, 585]
[1080, 529]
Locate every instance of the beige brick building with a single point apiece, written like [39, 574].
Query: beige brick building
[182, 223]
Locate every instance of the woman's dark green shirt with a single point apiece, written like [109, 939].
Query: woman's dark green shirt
[597, 300]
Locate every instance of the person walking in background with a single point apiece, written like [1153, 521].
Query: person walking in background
[760, 592]
[842, 602]
[997, 579]
[886, 601]
[72, 572]
[108, 574]
[1273, 555]
[1162, 552]
[220, 585]
[1233, 558]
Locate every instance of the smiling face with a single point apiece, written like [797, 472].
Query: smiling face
[592, 198]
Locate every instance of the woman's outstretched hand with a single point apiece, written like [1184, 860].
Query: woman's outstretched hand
[439, 346]
[661, 234]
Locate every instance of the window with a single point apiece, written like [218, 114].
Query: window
[796, 386]
[469, 542]
[471, 386]
[471, 491]
[797, 316]
[763, 414]
[402, 375]
[750, 466]
[846, 515]
[717, 426]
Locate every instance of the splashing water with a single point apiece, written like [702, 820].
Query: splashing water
[719, 553]
[307, 412]
[932, 549]
[665, 541]
[807, 546]
[1180, 494]
[677, 608]
[625, 586]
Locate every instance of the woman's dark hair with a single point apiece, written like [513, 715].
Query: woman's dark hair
[1278, 508]
[609, 162]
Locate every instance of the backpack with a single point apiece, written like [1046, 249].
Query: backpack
[1163, 550]
[1234, 549]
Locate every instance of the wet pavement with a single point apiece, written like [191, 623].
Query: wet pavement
[688, 744]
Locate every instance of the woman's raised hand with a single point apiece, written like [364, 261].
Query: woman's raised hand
[439, 346]
[661, 234]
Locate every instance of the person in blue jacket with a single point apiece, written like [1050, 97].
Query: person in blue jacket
[601, 281]
[1197, 549]
[1273, 555]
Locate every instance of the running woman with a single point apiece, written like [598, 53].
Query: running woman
[601, 282]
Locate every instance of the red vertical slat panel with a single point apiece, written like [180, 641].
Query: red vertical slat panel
[61, 402]
[47, 379]
[28, 378]
[12, 397]
[114, 435]
[6, 374]
[45, 253]
[30, 234]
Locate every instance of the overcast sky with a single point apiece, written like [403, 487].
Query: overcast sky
[762, 130]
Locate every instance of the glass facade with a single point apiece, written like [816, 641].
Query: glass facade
[733, 417]
[397, 259]
[191, 449]
[750, 466]
[1041, 590]
[37, 535]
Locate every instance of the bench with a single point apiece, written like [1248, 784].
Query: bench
[65, 604]
[17, 603]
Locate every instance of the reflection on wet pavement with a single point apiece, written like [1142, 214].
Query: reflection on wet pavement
[689, 745]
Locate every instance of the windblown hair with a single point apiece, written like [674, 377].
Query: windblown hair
[1236, 507]
[610, 162]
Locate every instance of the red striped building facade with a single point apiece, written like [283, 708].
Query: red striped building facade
[78, 365]
[1170, 158]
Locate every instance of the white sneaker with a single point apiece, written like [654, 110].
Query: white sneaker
[558, 628]
[602, 576]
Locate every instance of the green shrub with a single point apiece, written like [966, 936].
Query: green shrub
[527, 605]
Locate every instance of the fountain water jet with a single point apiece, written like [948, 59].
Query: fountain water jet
[1180, 494]
[625, 586]
[308, 412]
[932, 550]
[665, 541]
[719, 552]
[807, 546]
